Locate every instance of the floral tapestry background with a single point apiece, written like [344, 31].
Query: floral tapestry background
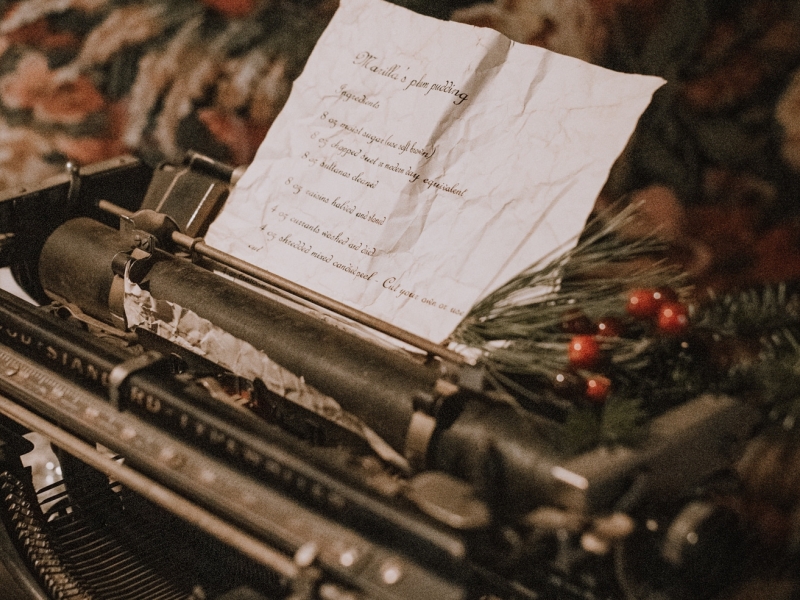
[715, 160]
[716, 157]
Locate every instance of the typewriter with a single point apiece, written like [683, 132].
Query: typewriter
[184, 478]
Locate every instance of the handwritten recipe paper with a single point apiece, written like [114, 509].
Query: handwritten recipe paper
[418, 164]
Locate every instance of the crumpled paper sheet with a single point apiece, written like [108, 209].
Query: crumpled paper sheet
[188, 330]
[419, 164]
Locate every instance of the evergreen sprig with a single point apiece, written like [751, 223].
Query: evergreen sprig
[745, 344]
[518, 327]
[756, 335]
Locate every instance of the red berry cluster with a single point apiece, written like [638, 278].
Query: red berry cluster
[659, 306]
[584, 352]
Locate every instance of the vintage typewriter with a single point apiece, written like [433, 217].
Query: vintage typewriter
[182, 478]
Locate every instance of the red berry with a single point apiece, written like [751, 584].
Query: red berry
[584, 351]
[610, 327]
[673, 318]
[597, 388]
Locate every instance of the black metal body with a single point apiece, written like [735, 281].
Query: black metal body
[502, 455]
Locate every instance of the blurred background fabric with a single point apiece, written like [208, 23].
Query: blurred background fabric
[716, 158]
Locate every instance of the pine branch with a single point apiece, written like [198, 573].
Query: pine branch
[518, 326]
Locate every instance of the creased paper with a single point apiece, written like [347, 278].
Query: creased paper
[188, 330]
[418, 164]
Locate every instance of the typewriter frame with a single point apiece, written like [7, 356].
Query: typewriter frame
[431, 549]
